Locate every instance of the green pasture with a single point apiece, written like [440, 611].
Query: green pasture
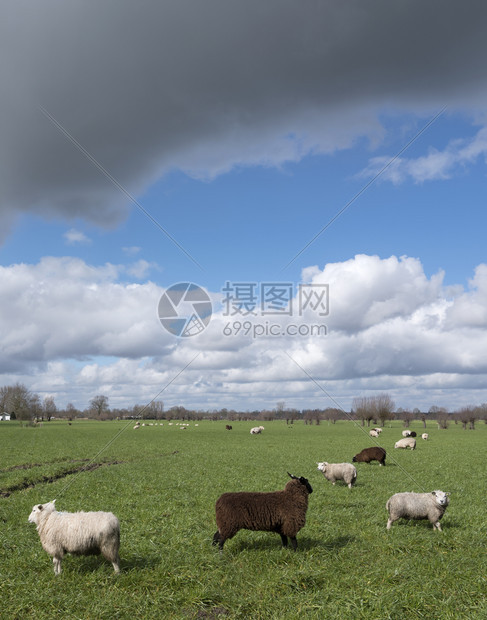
[162, 483]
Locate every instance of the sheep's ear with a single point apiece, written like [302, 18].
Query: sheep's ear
[40, 507]
[291, 476]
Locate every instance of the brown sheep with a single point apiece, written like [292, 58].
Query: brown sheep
[371, 454]
[228, 427]
[283, 512]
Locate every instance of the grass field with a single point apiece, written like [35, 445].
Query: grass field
[162, 483]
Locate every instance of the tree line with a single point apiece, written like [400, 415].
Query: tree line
[22, 404]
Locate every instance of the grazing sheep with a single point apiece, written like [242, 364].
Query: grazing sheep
[377, 429]
[425, 436]
[81, 533]
[373, 433]
[430, 506]
[412, 434]
[283, 512]
[407, 442]
[339, 471]
[256, 430]
[228, 427]
[406, 433]
[371, 454]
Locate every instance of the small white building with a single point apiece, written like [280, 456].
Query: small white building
[5, 416]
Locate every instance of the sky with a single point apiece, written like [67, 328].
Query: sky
[227, 204]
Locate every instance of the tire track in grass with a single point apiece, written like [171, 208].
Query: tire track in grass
[30, 484]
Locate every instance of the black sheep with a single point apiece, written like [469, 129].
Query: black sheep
[371, 454]
[283, 512]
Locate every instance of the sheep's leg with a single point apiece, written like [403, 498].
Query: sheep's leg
[116, 564]
[218, 540]
[57, 565]
[110, 553]
[283, 539]
[437, 525]
[294, 543]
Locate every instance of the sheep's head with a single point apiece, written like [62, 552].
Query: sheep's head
[441, 497]
[41, 509]
[303, 481]
[322, 466]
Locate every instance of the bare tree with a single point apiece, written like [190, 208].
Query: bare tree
[312, 414]
[332, 414]
[384, 407]
[267, 415]
[468, 415]
[36, 410]
[291, 415]
[99, 406]
[407, 417]
[442, 416]
[49, 407]
[158, 409]
[361, 408]
[19, 400]
[483, 412]
[71, 411]
[378, 407]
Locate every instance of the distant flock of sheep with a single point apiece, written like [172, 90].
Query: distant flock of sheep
[283, 512]
[182, 425]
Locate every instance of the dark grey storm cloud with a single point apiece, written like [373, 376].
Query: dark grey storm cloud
[147, 87]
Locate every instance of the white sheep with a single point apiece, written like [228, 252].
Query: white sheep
[407, 442]
[406, 433]
[373, 433]
[377, 429]
[256, 430]
[425, 436]
[81, 533]
[339, 471]
[430, 506]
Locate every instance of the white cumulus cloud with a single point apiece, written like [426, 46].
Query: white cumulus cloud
[75, 330]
